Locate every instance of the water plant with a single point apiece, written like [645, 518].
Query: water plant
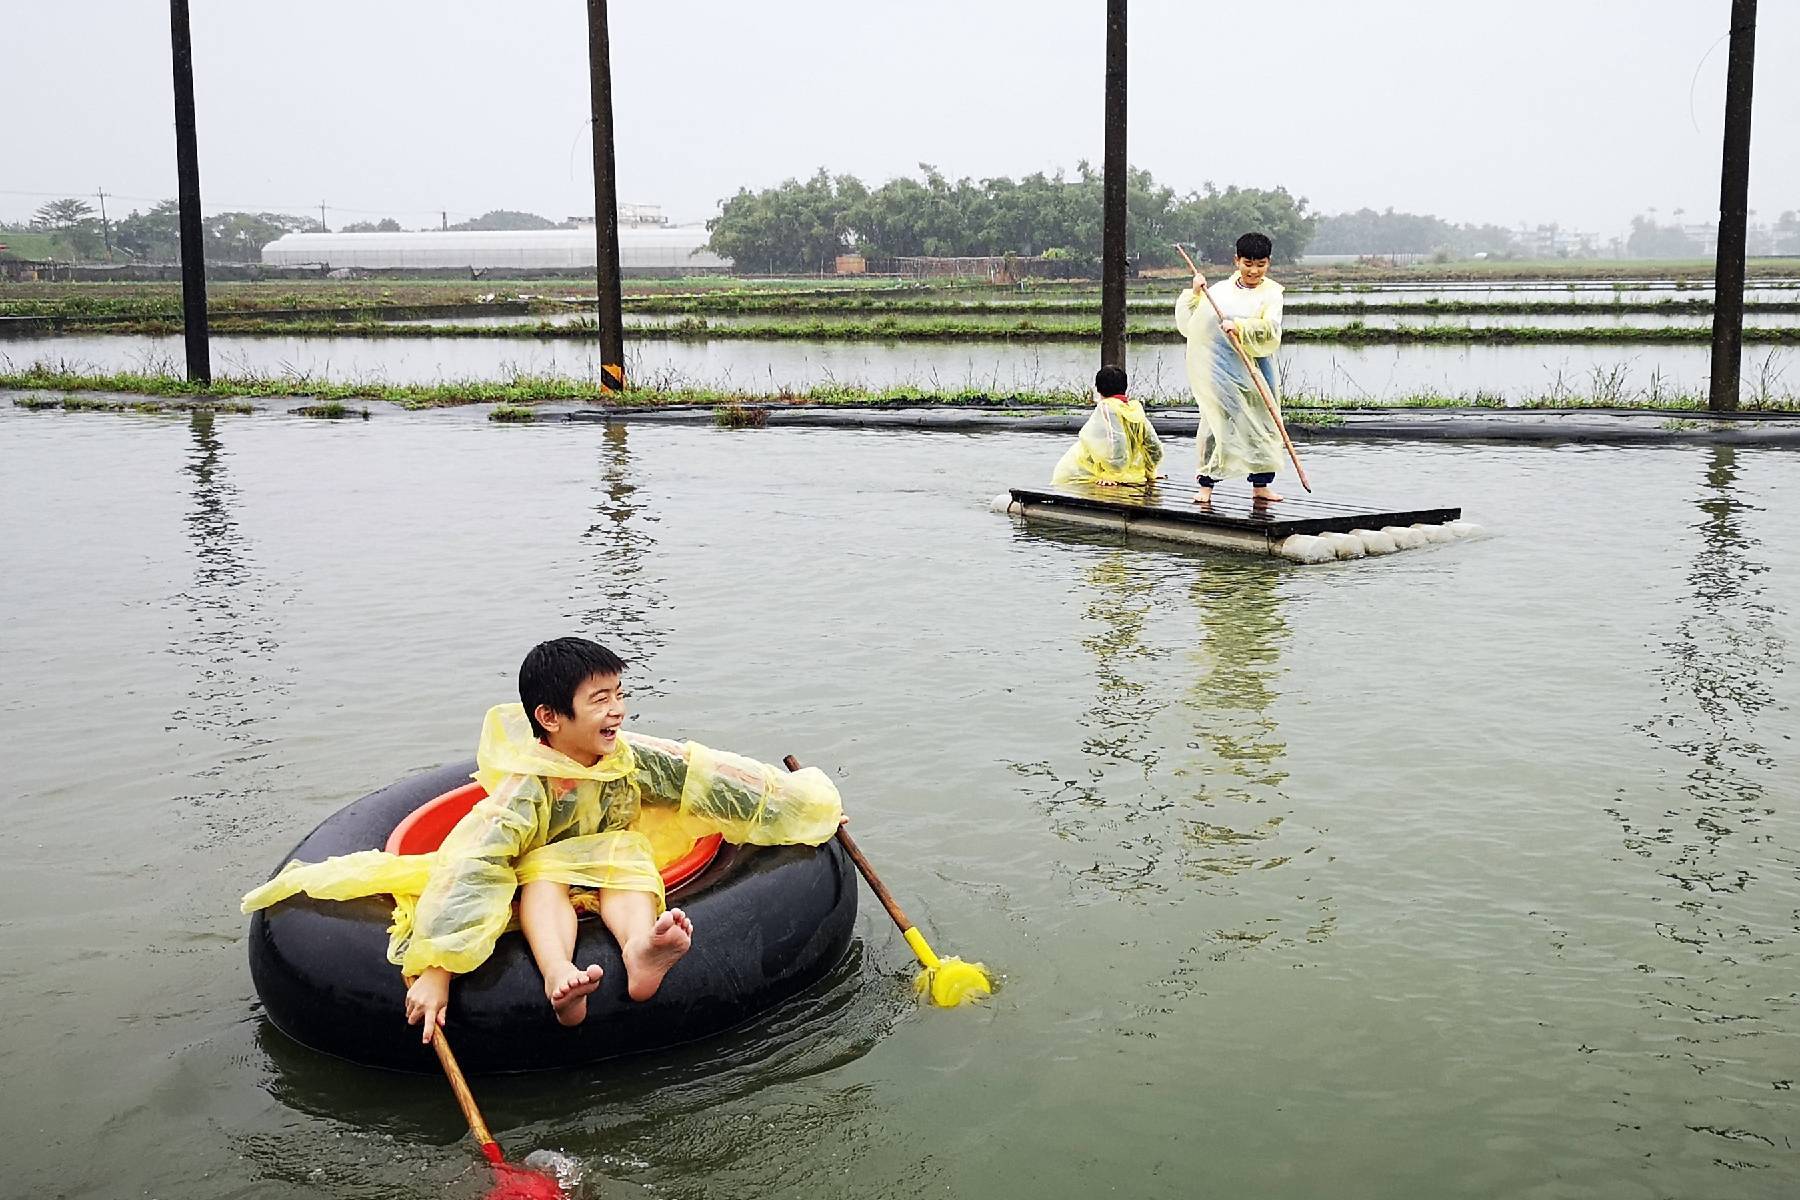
[330, 410]
[740, 416]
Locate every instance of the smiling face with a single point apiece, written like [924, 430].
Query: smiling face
[1252, 270]
[591, 732]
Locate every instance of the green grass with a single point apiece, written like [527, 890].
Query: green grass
[740, 416]
[80, 403]
[516, 414]
[330, 410]
[518, 397]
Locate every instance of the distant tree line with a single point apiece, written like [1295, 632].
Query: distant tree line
[155, 234]
[802, 225]
[1366, 231]
[76, 231]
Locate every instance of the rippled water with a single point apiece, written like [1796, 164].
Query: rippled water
[1344, 372]
[1470, 871]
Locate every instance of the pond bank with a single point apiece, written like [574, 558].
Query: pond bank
[1044, 414]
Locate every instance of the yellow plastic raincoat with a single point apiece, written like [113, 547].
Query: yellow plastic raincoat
[548, 817]
[1237, 436]
[1117, 445]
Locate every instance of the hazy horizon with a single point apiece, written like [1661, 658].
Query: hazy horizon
[1575, 112]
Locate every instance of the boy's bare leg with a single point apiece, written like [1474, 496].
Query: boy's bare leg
[649, 944]
[548, 920]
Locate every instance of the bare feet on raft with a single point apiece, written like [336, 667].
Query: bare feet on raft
[1263, 495]
[568, 990]
[648, 958]
[1204, 498]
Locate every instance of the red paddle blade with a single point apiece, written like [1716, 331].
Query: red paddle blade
[517, 1183]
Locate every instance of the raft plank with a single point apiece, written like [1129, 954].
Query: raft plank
[1231, 509]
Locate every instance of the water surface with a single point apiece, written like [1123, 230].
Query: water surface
[1468, 871]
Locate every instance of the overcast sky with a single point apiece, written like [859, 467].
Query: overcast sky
[1578, 111]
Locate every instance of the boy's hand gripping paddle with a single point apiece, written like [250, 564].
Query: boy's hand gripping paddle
[510, 1182]
[948, 982]
[1262, 388]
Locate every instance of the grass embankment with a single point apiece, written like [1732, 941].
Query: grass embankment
[517, 399]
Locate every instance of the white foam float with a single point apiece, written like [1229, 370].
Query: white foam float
[1003, 503]
[1345, 545]
[1306, 548]
[1405, 536]
[1374, 542]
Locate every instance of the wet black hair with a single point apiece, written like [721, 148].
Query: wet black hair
[1255, 245]
[1110, 380]
[555, 670]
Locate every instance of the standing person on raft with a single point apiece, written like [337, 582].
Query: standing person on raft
[1117, 443]
[564, 787]
[1237, 435]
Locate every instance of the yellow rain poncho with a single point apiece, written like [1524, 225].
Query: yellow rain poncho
[1116, 445]
[548, 817]
[1237, 436]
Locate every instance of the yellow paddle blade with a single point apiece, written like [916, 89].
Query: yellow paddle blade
[953, 982]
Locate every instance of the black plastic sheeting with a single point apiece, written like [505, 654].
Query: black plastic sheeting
[768, 923]
[1484, 425]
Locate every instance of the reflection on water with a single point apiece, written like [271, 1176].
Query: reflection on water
[616, 598]
[698, 1112]
[224, 638]
[1716, 673]
[1236, 664]
[1154, 810]
[1727, 893]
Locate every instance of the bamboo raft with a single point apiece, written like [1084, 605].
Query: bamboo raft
[1300, 528]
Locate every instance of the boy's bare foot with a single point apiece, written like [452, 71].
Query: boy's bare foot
[648, 959]
[1204, 498]
[1265, 494]
[568, 990]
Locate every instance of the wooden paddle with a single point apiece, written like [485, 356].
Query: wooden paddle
[1262, 387]
[946, 982]
[510, 1182]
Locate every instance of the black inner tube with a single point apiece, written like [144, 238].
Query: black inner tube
[768, 922]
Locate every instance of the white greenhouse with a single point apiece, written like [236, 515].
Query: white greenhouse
[662, 249]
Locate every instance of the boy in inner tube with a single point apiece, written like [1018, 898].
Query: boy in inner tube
[565, 786]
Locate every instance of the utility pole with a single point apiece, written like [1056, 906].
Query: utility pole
[606, 205]
[187, 182]
[1734, 203]
[323, 227]
[444, 221]
[105, 229]
[1112, 240]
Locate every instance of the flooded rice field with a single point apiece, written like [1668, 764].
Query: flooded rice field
[1473, 871]
[1369, 373]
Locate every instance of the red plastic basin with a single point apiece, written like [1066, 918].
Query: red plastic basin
[425, 828]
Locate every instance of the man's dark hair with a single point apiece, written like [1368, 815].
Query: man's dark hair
[1110, 380]
[555, 670]
[1255, 245]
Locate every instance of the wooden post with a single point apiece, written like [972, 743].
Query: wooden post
[187, 182]
[1112, 241]
[1734, 203]
[606, 204]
